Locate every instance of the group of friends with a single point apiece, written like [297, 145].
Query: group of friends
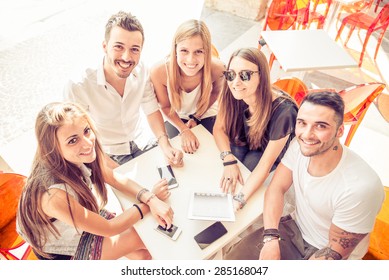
[83, 138]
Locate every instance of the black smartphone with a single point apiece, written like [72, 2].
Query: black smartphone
[166, 172]
[210, 234]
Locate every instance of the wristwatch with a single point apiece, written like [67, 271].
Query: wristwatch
[224, 154]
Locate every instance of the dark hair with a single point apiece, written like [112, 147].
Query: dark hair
[329, 99]
[124, 20]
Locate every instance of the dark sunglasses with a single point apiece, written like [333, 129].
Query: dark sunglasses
[245, 75]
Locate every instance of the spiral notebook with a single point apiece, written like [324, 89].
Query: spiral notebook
[211, 206]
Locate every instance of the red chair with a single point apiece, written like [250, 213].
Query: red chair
[357, 100]
[12, 246]
[377, 4]
[370, 24]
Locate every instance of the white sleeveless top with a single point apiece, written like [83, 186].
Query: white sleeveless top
[67, 242]
[188, 104]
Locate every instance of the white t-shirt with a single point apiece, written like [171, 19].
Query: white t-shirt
[350, 197]
[117, 118]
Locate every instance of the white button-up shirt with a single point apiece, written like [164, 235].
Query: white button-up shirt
[117, 118]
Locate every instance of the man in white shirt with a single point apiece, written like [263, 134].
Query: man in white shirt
[116, 89]
[337, 194]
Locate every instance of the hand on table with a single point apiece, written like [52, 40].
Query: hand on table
[160, 189]
[189, 142]
[231, 176]
[162, 212]
[175, 157]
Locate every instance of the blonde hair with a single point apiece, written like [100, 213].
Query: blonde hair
[187, 30]
[49, 167]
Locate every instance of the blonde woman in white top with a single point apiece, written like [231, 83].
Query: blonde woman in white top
[188, 82]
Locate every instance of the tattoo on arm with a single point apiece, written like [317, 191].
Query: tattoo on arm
[328, 254]
[347, 240]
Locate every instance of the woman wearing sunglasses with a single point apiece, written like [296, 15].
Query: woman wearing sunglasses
[255, 123]
[188, 82]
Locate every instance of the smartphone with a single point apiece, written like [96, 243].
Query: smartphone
[173, 232]
[166, 172]
[210, 234]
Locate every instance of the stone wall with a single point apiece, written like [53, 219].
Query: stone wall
[244, 8]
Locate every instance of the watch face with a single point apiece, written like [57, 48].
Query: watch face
[224, 154]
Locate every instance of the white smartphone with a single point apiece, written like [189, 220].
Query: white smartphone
[166, 172]
[173, 232]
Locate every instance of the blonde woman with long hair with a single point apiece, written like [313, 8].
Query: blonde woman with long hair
[255, 123]
[188, 82]
[61, 211]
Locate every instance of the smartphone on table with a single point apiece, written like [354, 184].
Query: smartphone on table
[173, 232]
[210, 234]
[166, 172]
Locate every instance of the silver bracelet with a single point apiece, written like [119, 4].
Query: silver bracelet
[240, 198]
[140, 193]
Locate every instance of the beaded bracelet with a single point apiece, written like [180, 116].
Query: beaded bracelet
[139, 210]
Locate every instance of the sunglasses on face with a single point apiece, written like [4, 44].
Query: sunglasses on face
[244, 75]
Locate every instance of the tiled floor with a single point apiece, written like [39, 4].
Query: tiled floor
[56, 37]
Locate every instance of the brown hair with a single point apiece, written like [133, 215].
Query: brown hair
[232, 110]
[124, 20]
[49, 167]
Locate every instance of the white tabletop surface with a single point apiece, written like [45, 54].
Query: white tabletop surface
[201, 172]
[303, 50]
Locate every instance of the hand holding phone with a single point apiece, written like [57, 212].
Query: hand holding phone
[166, 172]
[210, 234]
[173, 232]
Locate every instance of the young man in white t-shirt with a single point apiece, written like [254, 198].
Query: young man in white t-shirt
[338, 195]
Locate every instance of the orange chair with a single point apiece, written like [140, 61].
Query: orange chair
[370, 24]
[281, 15]
[379, 237]
[12, 246]
[356, 7]
[294, 86]
[357, 100]
[308, 12]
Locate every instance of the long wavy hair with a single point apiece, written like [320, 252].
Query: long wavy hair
[232, 111]
[49, 167]
[187, 30]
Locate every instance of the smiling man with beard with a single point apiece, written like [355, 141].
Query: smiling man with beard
[337, 194]
[114, 92]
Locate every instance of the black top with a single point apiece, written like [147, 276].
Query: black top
[282, 122]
